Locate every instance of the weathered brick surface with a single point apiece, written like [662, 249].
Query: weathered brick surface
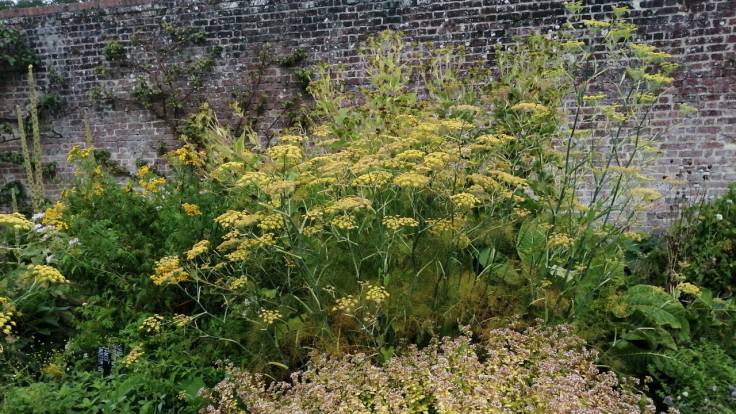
[701, 34]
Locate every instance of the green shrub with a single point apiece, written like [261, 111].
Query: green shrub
[697, 379]
[710, 250]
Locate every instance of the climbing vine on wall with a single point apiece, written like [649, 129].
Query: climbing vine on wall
[170, 66]
[173, 66]
[15, 52]
[250, 100]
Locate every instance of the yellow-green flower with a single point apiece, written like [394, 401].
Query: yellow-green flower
[688, 289]
[16, 221]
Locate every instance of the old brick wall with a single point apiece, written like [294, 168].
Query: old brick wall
[701, 34]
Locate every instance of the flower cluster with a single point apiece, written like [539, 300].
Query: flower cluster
[271, 222]
[16, 221]
[344, 223]
[79, 153]
[6, 316]
[54, 216]
[376, 294]
[465, 200]
[411, 180]
[189, 155]
[396, 223]
[198, 249]
[44, 275]
[688, 289]
[168, 271]
[148, 181]
[133, 356]
[237, 283]
[348, 204]
[152, 324]
[556, 240]
[530, 107]
[288, 154]
[373, 179]
[181, 320]
[191, 209]
[269, 316]
[345, 304]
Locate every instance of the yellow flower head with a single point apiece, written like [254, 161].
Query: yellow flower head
[54, 215]
[152, 324]
[290, 139]
[133, 356]
[344, 223]
[152, 185]
[352, 203]
[198, 249]
[688, 289]
[345, 304]
[168, 271]
[6, 314]
[143, 171]
[465, 200]
[188, 155]
[286, 154]
[237, 283]
[191, 209]
[647, 195]
[181, 320]
[16, 221]
[44, 275]
[396, 223]
[373, 179]
[559, 240]
[411, 180]
[271, 222]
[534, 108]
[436, 160]
[376, 294]
[322, 131]
[252, 178]
[78, 153]
[269, 316]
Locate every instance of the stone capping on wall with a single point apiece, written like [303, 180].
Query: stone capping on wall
[73, 7]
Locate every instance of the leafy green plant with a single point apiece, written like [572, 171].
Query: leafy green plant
[709, 251]
[114, 51]
[697, 379]
[15, 53]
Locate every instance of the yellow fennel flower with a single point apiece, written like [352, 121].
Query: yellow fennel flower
[465, 200]
[168, 271]
[411, 180]
[44, 275]
[16, 221]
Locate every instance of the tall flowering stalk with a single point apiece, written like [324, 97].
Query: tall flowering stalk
[36, 127]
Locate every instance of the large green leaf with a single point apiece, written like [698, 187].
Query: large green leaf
[655, 306]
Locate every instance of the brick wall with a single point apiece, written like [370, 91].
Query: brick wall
[701, 34]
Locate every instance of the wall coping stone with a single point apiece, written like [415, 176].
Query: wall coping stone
[73, 7]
